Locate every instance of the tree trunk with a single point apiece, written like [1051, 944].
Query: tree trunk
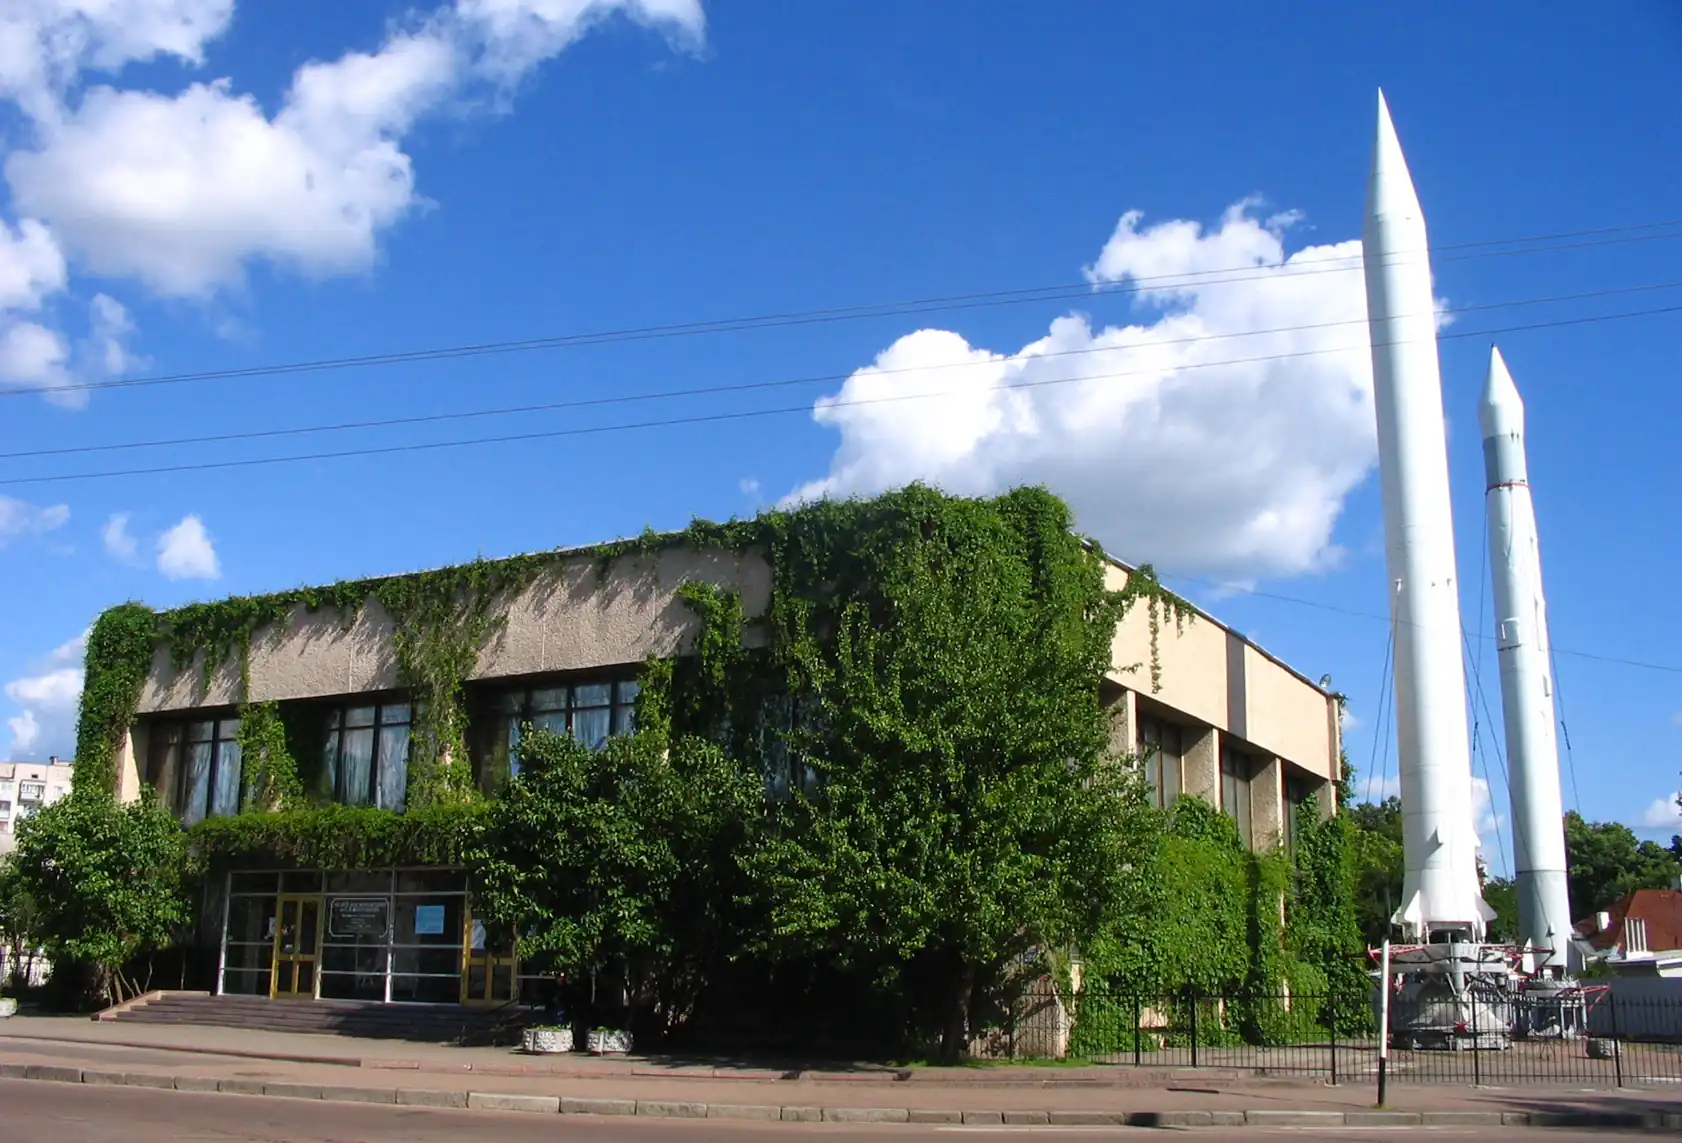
[955, 1037]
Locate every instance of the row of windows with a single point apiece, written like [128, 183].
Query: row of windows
[1163, 746]
[198, 769]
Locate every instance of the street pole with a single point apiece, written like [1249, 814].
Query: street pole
[1383, 1018]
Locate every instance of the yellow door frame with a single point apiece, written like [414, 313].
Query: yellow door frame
[488, 961]
[288, 958]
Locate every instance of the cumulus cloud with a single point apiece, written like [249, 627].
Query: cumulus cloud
[182, 190]
[1217, 434]
[19, 518]
[1662, 813]
[46, 721]
[119, 542]
[185, 551]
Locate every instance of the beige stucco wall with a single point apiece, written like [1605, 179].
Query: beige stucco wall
[573, 619]
[1216, 677]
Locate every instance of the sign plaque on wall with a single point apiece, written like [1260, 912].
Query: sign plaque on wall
[358, 916]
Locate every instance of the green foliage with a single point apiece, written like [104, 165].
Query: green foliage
[621, 858]
[1606, 861]
[104, 881]
[339, 837]
[945, 656]
[119, 654]
[1379, 864]
[1501, 894]
[271, 773]
[1323, 920]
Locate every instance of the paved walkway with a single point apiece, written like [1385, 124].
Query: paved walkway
[388, 1071]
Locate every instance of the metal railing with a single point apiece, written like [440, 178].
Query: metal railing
[1628, 1041]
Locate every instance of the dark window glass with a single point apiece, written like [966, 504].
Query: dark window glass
[195, 766]
[1236, 769]
[591, 712]
[1162, 745]
[366, 755]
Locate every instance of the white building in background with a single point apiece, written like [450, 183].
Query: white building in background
[27, 786]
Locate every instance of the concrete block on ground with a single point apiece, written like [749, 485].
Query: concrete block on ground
[103, 1079]
[933, 1115]
[1671, 1119]
[14, 1071]
[359, 1094]
[866, 1115]
[1515, 1119]
[802, 1115]
[1188, 1118]
[500, 1101]
[1381, 1119]
[1086, 1118]
[240, 1087]
[56, 1073]
[759, 1111]
[427, 1097]
[1225, 1118]
[1461, 1119]
[293, 1090]
[146, 1079]
[671, 1109]
[571, 1106]
[1282, 1118]
[195, 1083]
[987, 1118]
[1027, 1118]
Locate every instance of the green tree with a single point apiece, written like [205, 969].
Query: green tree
[105, 883]
[1606, 861]
[1501, 894]
[1378, 859]
[967, 814]
[622, 859]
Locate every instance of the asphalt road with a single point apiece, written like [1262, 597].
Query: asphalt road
[36, 1112]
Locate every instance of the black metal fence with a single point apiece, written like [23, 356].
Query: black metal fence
[1623, 1041]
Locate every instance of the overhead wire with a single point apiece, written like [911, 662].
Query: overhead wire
[1599, 236]
[817, 379]
[747, 414]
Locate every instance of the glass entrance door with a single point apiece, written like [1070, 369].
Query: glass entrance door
[297, 947]
[488, 973]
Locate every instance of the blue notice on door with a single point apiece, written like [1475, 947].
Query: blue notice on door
[429, 919]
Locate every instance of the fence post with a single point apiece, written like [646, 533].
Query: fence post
[1331, 1020]
[1617, 1044]
[1138, 1017]
[1194, 1027]
[1477, 1058]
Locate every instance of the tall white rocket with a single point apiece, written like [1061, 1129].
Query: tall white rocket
[1440, 890]
[1527, 700]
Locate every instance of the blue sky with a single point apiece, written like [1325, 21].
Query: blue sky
[182, 198]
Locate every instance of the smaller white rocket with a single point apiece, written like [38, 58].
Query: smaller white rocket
[1527, 685]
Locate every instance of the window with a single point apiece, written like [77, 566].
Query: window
[5, 809]
[196, 767]
[1635, 935]
[779, 720]
[31, 791]
[1163, 749]
[1297, 793]
[1236, 769]
[365, 761]
[590, 711]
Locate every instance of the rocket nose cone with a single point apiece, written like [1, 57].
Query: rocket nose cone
[1390, 191]
[1501, 410]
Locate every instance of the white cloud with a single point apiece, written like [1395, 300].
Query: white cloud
[18, 518]
[749, 486]
[1176, 440]
[31, 265]
[46, 724]
[185, 551]
[183, 190]
[119, 542]
[1662, 814]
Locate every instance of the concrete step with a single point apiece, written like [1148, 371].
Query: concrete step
[344, 1018]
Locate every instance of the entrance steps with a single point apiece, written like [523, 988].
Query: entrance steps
[430, 1023]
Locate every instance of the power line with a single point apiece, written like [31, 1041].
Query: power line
[1376, 618]
[749, 414]
[743, 387]
[1062, 291]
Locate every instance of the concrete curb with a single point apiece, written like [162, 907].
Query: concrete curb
[1654, 1120]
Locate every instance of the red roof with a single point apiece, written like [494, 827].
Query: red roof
[1660, 908]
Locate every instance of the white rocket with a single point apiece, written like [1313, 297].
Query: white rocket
[1521, 634]
[1440, 892]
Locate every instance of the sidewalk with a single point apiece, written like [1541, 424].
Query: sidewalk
[396, 1072]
